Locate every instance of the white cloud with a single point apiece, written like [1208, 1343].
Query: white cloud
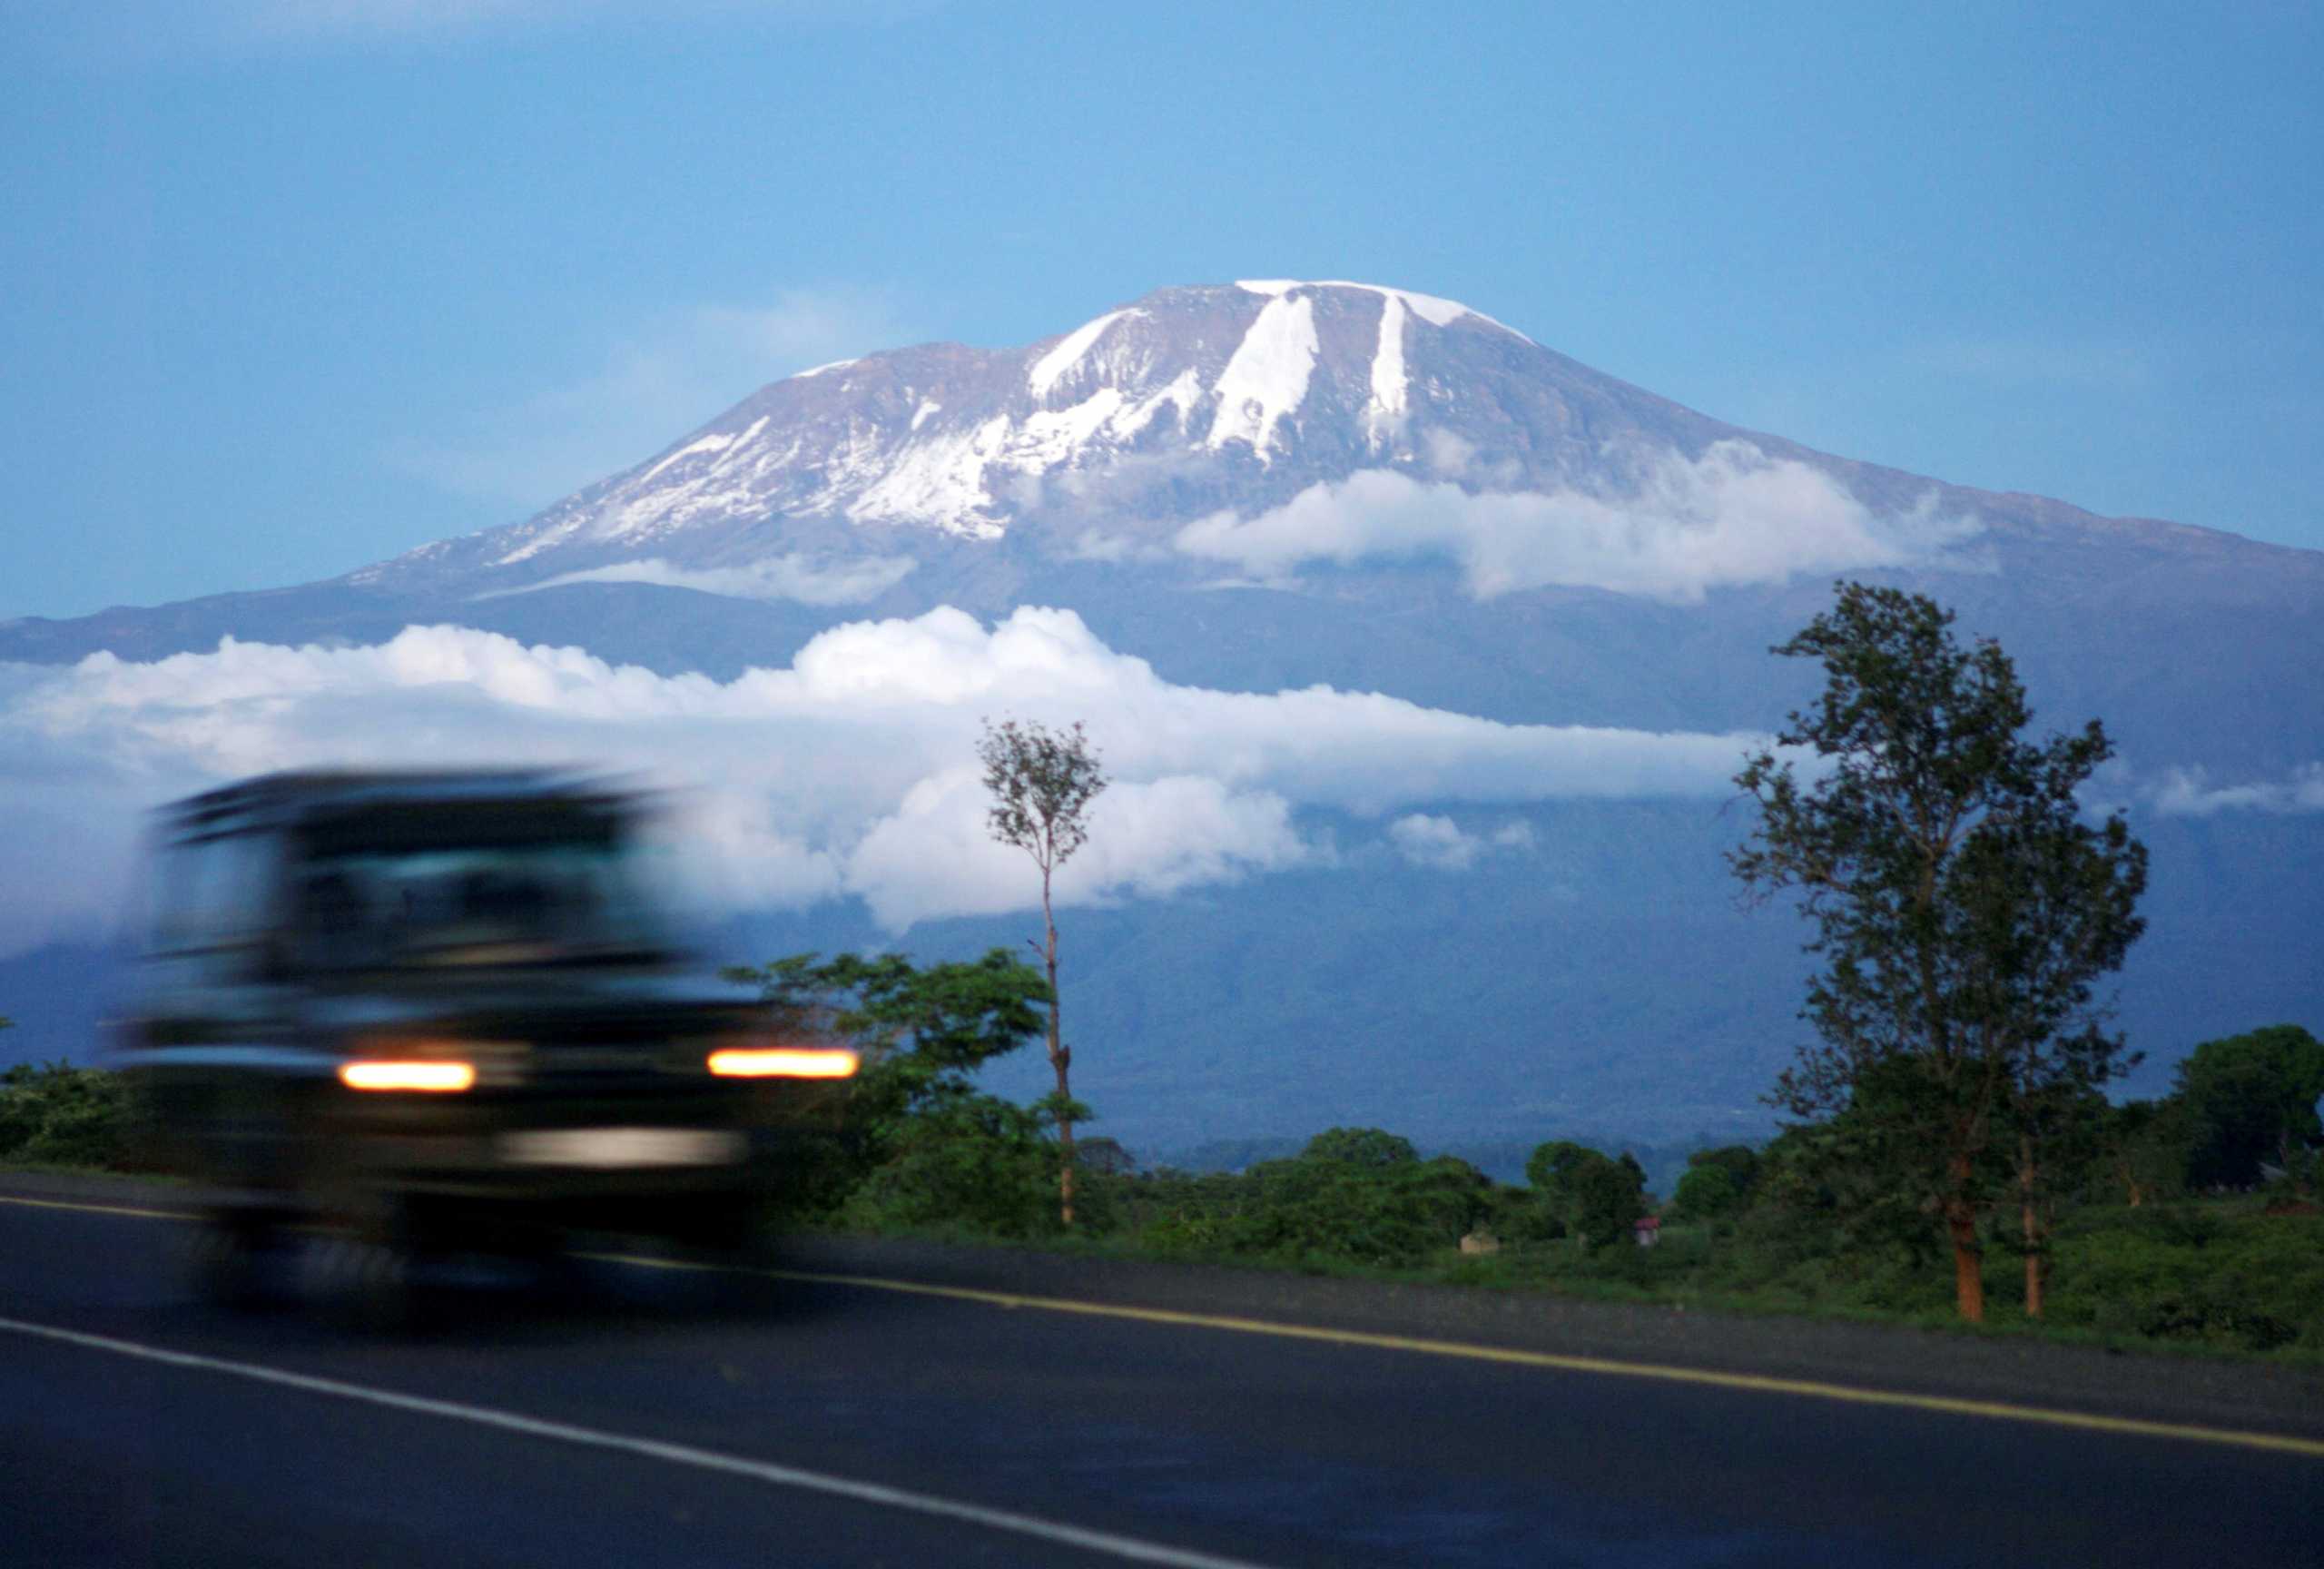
[793, 577]
[1427, 840]
[670, 375]
[2188, 793]
[1735, 516]
[842, 774]
[1438, 842]
[1514, 836]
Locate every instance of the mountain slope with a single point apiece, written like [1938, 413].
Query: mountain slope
[1271, 485]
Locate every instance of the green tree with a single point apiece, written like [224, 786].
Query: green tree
[1964, 910]
[1740, 1161]
[1552, 1164]
[1043, 783]
[2146, 1147]
[1606, 1199]
[1596, 1199]
[2251, 1098]
[1371, 1147]
[1708, 1193]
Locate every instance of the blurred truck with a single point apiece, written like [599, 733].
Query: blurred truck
[443, 1014]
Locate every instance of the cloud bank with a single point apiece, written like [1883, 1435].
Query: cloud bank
[1734, 516]
[848, 774]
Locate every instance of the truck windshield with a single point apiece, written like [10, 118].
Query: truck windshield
[474, 904]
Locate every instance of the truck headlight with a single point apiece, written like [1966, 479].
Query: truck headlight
[784, 1063]
[431, 1075]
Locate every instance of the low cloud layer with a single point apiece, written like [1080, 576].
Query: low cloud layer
[1733, 517]
[794, 577]
[850, 774]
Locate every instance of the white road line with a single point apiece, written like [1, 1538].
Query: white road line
[1130, 1549]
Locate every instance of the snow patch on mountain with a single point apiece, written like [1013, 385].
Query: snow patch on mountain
[1182, 391]
[1053, 366]
[1267, 377]
[937, 479]
[1429, 308]
[1390, 386]
[717, 442]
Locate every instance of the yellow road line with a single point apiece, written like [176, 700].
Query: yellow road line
[1461, 1350]
[138, 1213]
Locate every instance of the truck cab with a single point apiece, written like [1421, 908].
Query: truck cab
[448, 1011]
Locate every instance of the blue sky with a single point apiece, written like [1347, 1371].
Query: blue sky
[290, 285]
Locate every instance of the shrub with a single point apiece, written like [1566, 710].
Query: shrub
[62, 1115]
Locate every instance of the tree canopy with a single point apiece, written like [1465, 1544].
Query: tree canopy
[2250, 1101]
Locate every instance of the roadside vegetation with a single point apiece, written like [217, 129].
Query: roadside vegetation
[2181, 1226]
[1953, 1154]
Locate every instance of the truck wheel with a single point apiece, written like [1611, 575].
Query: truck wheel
[235, 1258]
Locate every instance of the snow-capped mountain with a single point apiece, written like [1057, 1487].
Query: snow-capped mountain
[1188, 405]
[1260, 387]
[1274, 483]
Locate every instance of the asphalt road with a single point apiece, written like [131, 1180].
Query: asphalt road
[637, 1415]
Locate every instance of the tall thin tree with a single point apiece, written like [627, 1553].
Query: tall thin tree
[1042, 782]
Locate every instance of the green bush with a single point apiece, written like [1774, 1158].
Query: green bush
[977, 1163]
[1707, 1193]
[2232, 1277]
[1345, 1206]
[62, 1115]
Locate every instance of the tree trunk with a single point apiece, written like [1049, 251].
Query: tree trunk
[2030, 1221]
[1968, 1265]
[1061, 1060]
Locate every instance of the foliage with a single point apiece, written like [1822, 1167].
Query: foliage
[1717, 1184]
[1707, 1193]
[2144, 1151]
[915, 1139]
[974, 1162]
[1588, 1195]
[1043, 783]
[2228, 1275]
[1963, 909]
[2251, 1098]
[1309, 1210]
[62, 1115]
[1367, 1146]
